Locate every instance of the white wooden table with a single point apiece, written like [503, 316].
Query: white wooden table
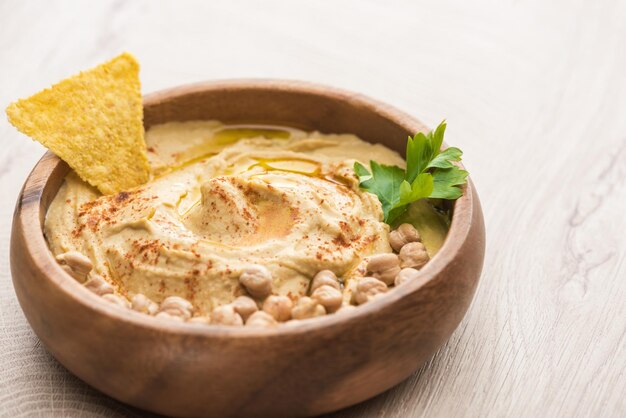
[533, 91]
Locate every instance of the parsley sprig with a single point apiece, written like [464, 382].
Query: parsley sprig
[430, 173]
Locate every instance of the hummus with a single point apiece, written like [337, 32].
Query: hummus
[223, 198]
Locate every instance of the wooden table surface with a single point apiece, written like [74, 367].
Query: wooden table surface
[534, 93]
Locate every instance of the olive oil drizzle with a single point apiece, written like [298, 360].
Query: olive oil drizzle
[302, 166]
[220, 139]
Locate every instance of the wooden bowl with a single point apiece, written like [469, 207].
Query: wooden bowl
[187, 370]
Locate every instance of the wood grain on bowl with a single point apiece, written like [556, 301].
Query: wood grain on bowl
[317, 366]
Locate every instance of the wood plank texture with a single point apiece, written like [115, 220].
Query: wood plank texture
[533, 91]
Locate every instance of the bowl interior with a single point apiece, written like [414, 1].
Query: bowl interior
[297, 104]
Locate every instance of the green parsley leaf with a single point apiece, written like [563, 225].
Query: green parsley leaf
[445, 158]
[419, 148]
[445, 182]
[384, 181]
[421, 188]
[430, 173]
[365, 178]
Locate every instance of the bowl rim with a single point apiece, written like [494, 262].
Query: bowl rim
[31, 216]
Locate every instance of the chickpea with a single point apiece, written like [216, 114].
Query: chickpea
[141, 303]
[177, 306]
[404, 234]
[279, 307]
[98, 285]
[384, 267]
[291, 323]
[368, 288]
[117, 300]
[245, 307]
[76, 264]
[257, 280]
[307, 308]
[168, 317]
[226, 315]
[329, 297]
[413, 255]
[346, 309]
[324, 277]
[200, 320]
[406, 275]
[261, 319]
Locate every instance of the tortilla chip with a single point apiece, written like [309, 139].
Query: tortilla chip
[94, 122]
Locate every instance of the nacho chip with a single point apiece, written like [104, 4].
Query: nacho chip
[93, 121]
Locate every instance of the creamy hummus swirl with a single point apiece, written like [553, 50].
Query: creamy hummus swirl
[222, 199]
